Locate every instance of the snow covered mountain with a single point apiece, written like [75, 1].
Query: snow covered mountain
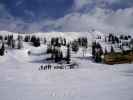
[68, 35]
[21, 79]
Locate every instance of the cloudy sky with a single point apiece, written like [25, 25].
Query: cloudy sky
[66, 15]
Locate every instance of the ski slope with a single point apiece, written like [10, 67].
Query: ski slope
[21, 81]
[20, 78]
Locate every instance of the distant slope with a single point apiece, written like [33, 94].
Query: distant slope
[68, 35]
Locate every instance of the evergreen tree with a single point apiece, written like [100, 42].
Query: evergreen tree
[20, 44]
[84, 45]
[61, 55]
[97, 52]
[64, 42]
[126, 38]
[49, 48]
[27, 38]
[13, 43]
[36, 43]
[105, 52]
[112, 49]
[2, 50]
[1, 37]
[44, 41]
[97, 57]
[75, 46]
[33, 39]
[93, 49]
[10, 41]
[121, 37]
[131, 44]
[129, 36]
[105, 39]
[117, 39]
[56, 54]
[68, 58]
[5, 37]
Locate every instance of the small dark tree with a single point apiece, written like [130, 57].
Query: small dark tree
[20, 44]
[105, 52]
[75, 46]
[126, 38]
[64, 42]
[84, 45]
[113, 39]
[93, 49]
[10, 41]
[58, 55]
[6, 38]
[36, 43]
[27, 38]
[129, 36]
[68, 57]
[44, 41]
[117, 39]
[13, 43]
[112, 49]
[110, 37]
[131, 44]
[105, 39]
[49, 49]
[2, 50]
[121, 37]
[1, 37]
[97, 52]
[97, 57]
[33, 39]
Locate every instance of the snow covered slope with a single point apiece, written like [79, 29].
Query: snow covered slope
[20, 78]
[68, 35]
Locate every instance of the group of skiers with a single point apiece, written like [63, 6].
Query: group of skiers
[67, 66]
[46, 67]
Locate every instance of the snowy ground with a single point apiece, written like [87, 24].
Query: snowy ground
[20, 79]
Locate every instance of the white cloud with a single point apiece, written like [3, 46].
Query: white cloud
[78, 4]
[101, 19]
